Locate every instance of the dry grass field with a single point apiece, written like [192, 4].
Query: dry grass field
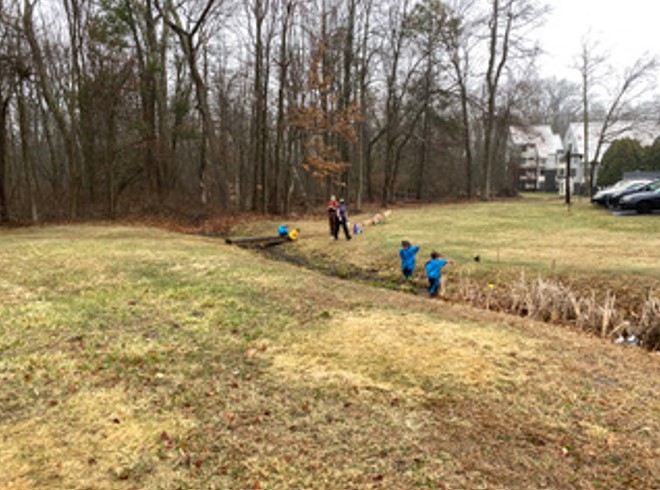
[537, 234]
[529, 250]
[134, 358]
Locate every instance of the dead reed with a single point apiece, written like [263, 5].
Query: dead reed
[649, 321]
[551, 301]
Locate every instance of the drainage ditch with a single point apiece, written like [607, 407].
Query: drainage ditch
[539, 300]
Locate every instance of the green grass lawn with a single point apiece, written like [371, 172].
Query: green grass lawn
[534, 233]
[133, 358]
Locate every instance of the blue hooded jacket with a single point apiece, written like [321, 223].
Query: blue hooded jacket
[408, 258]
[433, 268]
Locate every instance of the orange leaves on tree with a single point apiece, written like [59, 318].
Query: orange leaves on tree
[324, 124]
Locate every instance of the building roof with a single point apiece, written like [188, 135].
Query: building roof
[547, 143]
[641, 174]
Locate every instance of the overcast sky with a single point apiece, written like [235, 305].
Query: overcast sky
[626, 29]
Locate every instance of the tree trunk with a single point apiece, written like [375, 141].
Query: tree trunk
[77, 160]
[467, 138]
[4, 204]
[31, 184]
[148, 56]
[347, 87]
[209, 151]
[53, 106]
[364, 152]
[258, 108]
[496, 63]
[278, 153]
[585, 128]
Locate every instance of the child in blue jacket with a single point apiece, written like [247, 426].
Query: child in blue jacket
[407, 254]
[433, 271]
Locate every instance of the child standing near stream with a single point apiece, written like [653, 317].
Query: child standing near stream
[433, 271]
[407, 254]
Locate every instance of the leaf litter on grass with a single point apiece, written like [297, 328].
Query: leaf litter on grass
[231, 377]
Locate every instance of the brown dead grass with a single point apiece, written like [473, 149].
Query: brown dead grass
[93, 439]
[413, 346]
[161, 361]
[446, 398]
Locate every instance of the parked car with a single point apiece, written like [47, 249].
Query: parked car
[613, 198]
[601, 196]
[642, 202]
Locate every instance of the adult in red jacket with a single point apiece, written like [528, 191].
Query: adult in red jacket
[333, 216]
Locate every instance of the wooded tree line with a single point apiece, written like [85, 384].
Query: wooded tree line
[110, 107]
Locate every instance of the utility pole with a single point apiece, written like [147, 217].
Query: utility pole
[567, 187]
[537, 173]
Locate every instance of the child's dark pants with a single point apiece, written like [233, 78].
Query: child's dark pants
[433, 286]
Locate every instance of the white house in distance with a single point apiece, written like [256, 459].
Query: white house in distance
[537, 150]
[643, 131]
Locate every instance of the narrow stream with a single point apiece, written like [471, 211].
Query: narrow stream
[366, 277]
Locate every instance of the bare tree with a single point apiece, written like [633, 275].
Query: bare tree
[278, 202]
[590, 62]
[13, 69]
[260, 12]
[65, 126]
[636, 80]
[508, 22]
[457, 43]
[151, 50]
[32, 187]
[365, 55]
[399, 119]
[264, 115]
[188, 25]
[427, 24]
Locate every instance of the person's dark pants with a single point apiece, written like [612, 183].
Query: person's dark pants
[344, 225]
[434, 283]
[407, 273]
[334, 225]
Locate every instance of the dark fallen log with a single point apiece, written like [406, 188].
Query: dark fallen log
[257, 242]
